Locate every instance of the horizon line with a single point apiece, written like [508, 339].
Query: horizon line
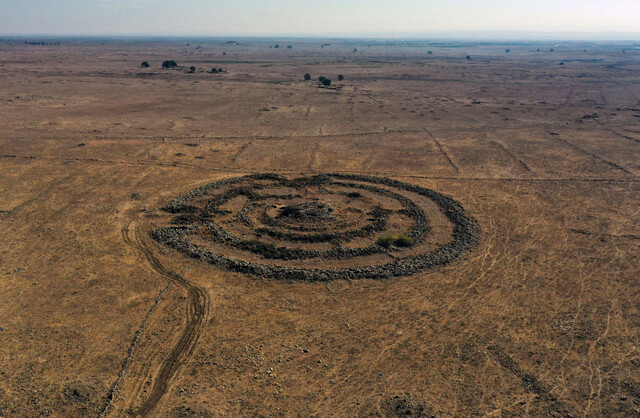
[450, 35]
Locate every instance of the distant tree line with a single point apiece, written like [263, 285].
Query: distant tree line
[173, 64]
[40, 43]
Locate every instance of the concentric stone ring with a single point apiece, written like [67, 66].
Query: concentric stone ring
[322, 227]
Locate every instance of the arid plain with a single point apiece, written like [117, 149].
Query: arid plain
[540, 145]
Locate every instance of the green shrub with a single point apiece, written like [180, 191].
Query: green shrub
[403, 241]
[169, 64]
[389, 240]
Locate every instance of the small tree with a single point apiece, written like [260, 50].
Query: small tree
[192, 69]
[468, 57]
[307, 77]
[144, 64]
[507, 50]
[169, 64]
[276, 46]
[289, 46]
[322, 78]
[214, 71]
[220, 70]
[326, 82]
[340, 77]
[429, 52]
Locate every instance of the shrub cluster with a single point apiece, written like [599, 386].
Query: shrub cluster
[389, 240]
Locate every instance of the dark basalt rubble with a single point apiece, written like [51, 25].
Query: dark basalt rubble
[311, 214]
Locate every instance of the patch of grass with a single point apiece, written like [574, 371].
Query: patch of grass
[389, 240]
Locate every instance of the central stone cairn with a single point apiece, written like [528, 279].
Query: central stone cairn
[323, 227]
[303, 211]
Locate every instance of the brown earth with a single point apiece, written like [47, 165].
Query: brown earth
[542, 317]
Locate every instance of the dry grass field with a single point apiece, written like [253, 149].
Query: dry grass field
[541, 316]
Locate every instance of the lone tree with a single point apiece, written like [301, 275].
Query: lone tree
[340, 77]
[276, 46]
[326, 82]
[507, 50]
[169, 64]
[144, 64]
[307, 77]
[289, 46]
[322, 78]
[429, 52]
[468, 57]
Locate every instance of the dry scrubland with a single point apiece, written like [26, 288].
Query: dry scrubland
[541, 317]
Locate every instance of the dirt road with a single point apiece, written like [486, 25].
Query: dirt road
[197, 310]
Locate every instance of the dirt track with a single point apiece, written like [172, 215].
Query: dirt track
[197, 310]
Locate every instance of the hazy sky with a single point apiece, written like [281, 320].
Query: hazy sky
[317, 17]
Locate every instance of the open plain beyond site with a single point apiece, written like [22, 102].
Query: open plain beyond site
[515, 175]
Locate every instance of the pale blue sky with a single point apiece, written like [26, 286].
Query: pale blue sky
[318, 17]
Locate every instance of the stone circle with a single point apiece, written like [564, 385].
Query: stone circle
[320, 227]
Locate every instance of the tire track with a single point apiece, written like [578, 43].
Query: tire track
[529, 382]
[482, 127]
[372, 153]
[241, 151]
[623, 136]
[196, 314]
[439, 146]
[132, 348]
[511, 154]
[594, 156]
[314, 156]
[228, 170]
